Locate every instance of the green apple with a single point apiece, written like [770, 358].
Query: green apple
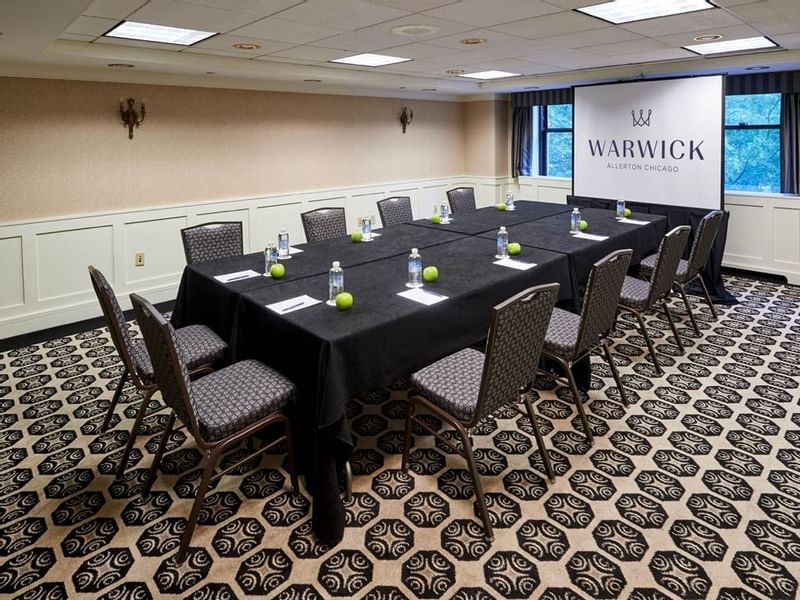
[436, 219]
[344, 300]
[514, 248]
[583, 225]
[356, 236]
[277, 271]
[501, 206]
[430, 274]
[627, 212]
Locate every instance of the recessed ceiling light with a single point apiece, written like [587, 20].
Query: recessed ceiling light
[455, 71]
[710, 37]
[490, 75]
[313, 80]
[370, 60]
[247, 46]
[626, 11]
[757, 68]
[415, 30]
[751, 43]
[120, 65]
[147, 32]
[473, 41]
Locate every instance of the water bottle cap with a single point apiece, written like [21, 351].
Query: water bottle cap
[336, 264]
[414, 251]
[502, 227]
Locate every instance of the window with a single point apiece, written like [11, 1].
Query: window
[553, 140]
[753, 143]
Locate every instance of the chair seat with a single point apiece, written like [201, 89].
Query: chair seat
[198, 345]
[453, 383]
[231, 399]
[648, 265]
[562, 332]
[634, 293]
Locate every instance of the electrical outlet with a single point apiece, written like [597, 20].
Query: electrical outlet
[139, 259]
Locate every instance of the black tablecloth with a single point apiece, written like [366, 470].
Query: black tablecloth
[489, 218]
[680, 215]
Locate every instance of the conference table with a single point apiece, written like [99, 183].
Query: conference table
[332, 355]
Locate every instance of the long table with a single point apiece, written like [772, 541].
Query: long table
[333, 355]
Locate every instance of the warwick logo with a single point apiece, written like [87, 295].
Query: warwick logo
[641, 120]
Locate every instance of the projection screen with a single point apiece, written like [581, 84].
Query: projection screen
[650, 141]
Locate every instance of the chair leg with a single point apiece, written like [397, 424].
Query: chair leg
[123, 463]
[287, 428]
[708, 297]
[113, 406]
[476, 483]
[615, 372]
[672, 326]
[548, 467]
[407, 440]
[162, 446]
[208, 471]
[587, 431]
[652, 350]
[682, 292]
[348, 482]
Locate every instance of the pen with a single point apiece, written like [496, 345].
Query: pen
[238, 278]
[288, 308]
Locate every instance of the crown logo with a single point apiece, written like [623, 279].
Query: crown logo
[641, 120]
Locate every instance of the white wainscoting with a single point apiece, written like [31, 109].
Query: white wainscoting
[763, 231]
[43, 262]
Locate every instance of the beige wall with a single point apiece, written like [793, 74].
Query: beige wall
[63, 150]
[487, 142]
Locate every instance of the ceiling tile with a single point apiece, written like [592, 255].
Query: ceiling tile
[422, 51]
[414, 5]
[772, 18]
[696, 21]
[594, 37]
[790, 41]
[107, 41]
[493, 38]
[572, 4]
[91, 26]
[113, 9]
[730, 3]
[281, 30]
[309, 53]
[342, 14]
[414, 66]
[481, 13]
[550, 25]
[655, 55]
[630, 47]
[77, 37]
[259, 8]
[177, 14]
[359, 41]
[729, 33]
[445, 28]
[225, 43]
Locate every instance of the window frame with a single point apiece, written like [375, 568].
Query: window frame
[543, 131]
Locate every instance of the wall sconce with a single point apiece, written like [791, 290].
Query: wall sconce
[130, 118]
[406, 116]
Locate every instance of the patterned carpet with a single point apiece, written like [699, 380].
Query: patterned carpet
[693, 492]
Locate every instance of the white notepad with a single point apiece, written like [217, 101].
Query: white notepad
[293, 250]
[512, 263]
[422, 296]
[292, 304]
[590, 236]
[632, 221]
[237, 276]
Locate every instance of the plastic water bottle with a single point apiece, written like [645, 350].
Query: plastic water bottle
[575, 221]
[445, 212]
[283, 244]
[509, 201]
[270, 258]
[502, 243]
[366, 229]
[335, 282]
[620, 208]
[414, 269]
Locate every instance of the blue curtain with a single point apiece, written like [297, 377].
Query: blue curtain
[521, 139]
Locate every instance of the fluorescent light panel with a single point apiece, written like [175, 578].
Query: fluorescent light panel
[490, 75]
[751, 43]
[370, 60]
[626, 11]
[147, 32]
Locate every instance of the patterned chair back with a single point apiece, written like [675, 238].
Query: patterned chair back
[599, 311]
[701, 246]
[516, 336]
[461, 200]
[395, 210]
[117, 326]
[211, 241]
[168, 364]
[324, 224]
[669, 255]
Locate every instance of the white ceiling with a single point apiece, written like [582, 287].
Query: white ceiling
[546, 41]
